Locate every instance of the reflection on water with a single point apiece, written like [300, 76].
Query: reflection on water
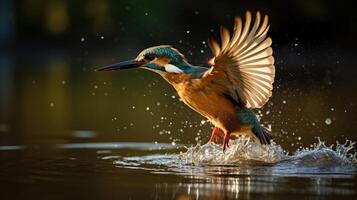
[164, 171]
[245, 187]
[116, 145]
[8, 148]
[84, 134]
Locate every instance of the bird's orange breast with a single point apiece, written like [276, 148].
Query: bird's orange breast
[206, 96]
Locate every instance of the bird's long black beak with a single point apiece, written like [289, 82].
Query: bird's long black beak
[122, 65]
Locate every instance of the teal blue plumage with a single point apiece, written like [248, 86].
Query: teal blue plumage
[175, 56]
[176, 59]
[247, 116]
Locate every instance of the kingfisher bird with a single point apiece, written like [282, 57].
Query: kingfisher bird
[239, 77]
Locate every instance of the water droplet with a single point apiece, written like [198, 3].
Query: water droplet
[284, 101]
[328, 121]
[52, 104]
[83, 39]
[102, 37]
[299, 138]
[203, 122]
[173, 96]
[187, 31]
[147, 108]
[95, 86]
[63, 82]
[173, 143]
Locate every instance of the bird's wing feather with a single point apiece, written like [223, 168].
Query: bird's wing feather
[246, 58]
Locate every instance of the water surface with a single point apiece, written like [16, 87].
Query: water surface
[166, 171]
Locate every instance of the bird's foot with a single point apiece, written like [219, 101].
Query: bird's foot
[227, 137]
[216, 136]
[220, 138]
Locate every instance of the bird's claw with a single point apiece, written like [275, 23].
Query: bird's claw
[216, 136]
[227, 137]
[220, 138]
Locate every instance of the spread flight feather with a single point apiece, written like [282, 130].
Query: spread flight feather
[246, 58]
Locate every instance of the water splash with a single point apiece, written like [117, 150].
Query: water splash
[241, 150]
[244, 157]
[245, 151]
[321, 155]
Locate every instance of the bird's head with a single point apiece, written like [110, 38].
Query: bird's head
[162, 59]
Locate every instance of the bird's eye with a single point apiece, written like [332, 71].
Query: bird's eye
[149, 57]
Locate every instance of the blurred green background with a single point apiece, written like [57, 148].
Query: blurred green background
[49, 92]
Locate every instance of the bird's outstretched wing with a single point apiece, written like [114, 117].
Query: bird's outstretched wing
[246, 59]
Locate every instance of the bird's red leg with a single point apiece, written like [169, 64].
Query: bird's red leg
[216, 135]
[227, 137]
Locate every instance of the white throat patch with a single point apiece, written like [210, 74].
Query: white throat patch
[173, 69]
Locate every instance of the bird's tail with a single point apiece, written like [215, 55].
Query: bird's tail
[247, 116]
[264, 136]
